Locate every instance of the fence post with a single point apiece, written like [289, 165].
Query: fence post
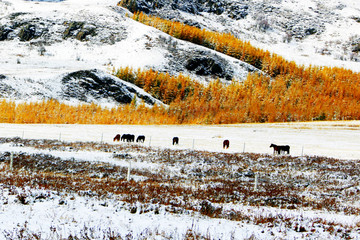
[11, 160]
[256, 182]
[302, 151]
[102, 138]
[60, 137]
[244, 148]
[150, 142]
[193, 145]
[22, 135]
[129, 169]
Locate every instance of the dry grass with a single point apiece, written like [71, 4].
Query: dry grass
[199, 181]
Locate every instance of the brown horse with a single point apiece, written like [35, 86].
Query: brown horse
[226, 144]
[140, 138]
[279, 149]
[117, 137]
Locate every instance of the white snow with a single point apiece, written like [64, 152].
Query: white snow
[23, 60]
[333, 139]
[81, 214]
[336, 139]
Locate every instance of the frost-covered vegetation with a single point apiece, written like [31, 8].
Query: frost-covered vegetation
[284, 196]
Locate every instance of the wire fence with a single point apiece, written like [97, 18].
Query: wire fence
[194, 138]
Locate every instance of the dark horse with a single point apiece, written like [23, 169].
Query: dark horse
[226, 144]
[128, 138]
[279, 149]
[140, 138]
[175, 140]
[117, 137]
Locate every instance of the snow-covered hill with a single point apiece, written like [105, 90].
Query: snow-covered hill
[314, 32]
[43, 41]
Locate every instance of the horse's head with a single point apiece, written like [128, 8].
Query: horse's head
[272, 145]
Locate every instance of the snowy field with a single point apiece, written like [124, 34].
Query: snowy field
[62, 189]
[75, 184]
[331, 139]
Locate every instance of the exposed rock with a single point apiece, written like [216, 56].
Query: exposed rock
[87, 85]
[28, 32]
[79, 30]
[310, 31]
[71, 28]
[238, 12]
[356, 47]
[297, 24]
[357, 19]
[5, 89]
[202, 64]
[145, 6]
[4, 32]
[50, 31]
[205, 65]
[13, 16]
[215, 6]
[188, 6]
[84, 32]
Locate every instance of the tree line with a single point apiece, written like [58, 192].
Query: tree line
[286, 92]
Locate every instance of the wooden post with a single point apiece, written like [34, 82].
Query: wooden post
[102, 138]
[244, 148]
[193, 145]
[60, 137]
[22, 135]
[128, 173]
[11, 160]
[256, 182]
[150, 142]
[302, 151]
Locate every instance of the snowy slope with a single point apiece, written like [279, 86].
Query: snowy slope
[313, 32]
[42, 41]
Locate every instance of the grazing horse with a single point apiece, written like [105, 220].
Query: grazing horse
[140, 138]
[124, 137]
[131, 138]
[117, 137]
[279, 149]
[175, 140]
[226, 144]
[128, 138]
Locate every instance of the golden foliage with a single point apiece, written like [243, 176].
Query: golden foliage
[286, 93]
[326, 93]
[54, 112]
[320, 94]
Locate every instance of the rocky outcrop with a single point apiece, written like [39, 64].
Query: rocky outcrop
[202, 63]
[32, 28]
[5, 89]
[297, 24]
[207, 66]
[79, 30]
[28, 32]
[4, 32]
[87, 85]
[188, 6]
[268, 22]
[81, 86]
